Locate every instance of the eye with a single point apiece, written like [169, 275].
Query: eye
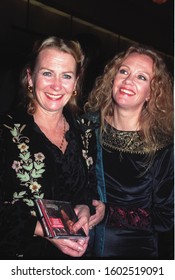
[47, 74]
[123, 71]
[141, 77]
[67, 76]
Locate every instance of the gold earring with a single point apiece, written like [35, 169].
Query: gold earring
[74, 93]
[30, 89]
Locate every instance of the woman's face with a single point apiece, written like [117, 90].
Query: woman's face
[54, 79]
[131, 86]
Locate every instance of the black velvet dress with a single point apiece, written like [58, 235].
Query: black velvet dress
[140, 211]
[31, 167]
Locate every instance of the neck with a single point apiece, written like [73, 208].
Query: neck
[125, 121]
[48, 120]
[54, 126]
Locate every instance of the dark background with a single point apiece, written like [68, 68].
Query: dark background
[139, 20]
[102, 27]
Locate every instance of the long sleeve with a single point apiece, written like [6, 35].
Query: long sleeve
[163, 203]
[16, 221]
[163, 190]
[16, 226]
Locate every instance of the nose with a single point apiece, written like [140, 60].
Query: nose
[129, 79]
[56, 83]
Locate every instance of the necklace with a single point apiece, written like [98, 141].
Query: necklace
[64, 131]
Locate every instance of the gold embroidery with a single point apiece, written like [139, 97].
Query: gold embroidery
[126, 141]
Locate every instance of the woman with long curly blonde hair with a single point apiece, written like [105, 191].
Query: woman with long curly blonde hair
[131, 105]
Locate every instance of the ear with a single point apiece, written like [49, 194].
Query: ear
[75, 84]
[29, 78]
[148, 97]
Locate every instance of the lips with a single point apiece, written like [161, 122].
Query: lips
[53, 96]
[127, 91]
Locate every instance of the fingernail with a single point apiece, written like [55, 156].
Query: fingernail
[80, 248]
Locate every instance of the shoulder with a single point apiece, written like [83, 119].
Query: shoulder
[6, 122]
[168, 149]
[166, 146]
[89, 121]
[17, 116]
[164, 158]
[94, 117]
[13, 123]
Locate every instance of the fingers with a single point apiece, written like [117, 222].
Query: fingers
[99, 215]
[83, 218]
[92, 221]
[83, 241]
[81, 224]
[97, 203]
[74, 248]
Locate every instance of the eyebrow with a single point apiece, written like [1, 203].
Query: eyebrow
[45, 68]
[142, 71]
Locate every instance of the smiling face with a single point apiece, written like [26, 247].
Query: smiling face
[53, 80]
[131, 86]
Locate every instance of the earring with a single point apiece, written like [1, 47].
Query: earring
[30, 89]
[74, 93]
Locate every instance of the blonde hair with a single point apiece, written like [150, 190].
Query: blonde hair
[156, 119]
[67, 46]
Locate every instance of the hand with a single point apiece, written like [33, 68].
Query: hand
[39, 229]
[73, 248]
[99, 215]
[83, 214]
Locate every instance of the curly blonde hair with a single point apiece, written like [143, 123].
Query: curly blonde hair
[156, 119]
[63, 45]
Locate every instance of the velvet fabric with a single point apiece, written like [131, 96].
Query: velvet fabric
[30, 167]
[140, 207]
[139, 218]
